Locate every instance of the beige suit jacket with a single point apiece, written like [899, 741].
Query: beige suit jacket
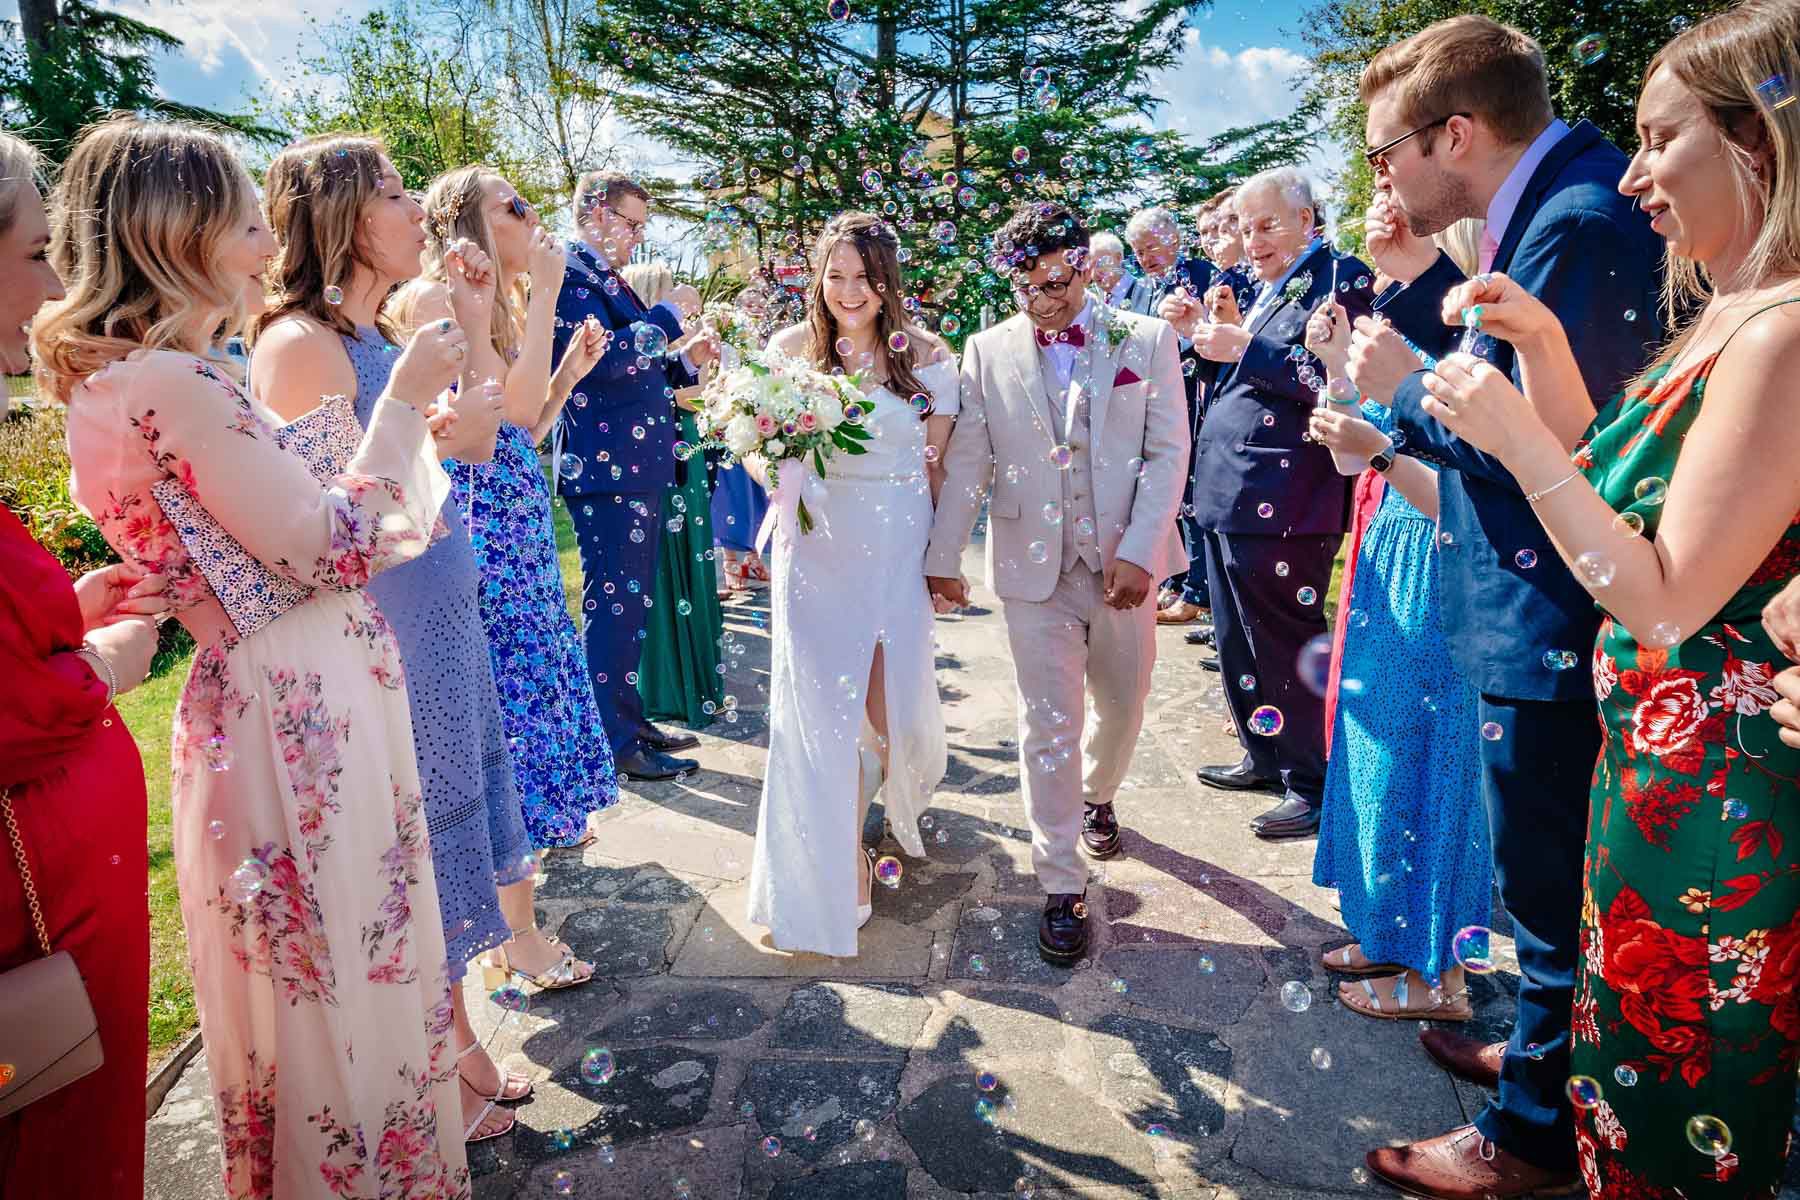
[1004, 434]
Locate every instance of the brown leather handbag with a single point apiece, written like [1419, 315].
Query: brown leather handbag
[48, 1035]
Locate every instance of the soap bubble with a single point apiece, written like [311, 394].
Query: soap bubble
[1296, 997]
[216, 751]
[1652, 490]
[1473, 949]
[1246, 682]
[1595, 569]
[1053, 513]
[1307, 596]
[1525, 559]
[1061, 457]
[1662, 635]
[986, 1081]
[1491, 731]
[1590, 48]
[1709, 1135]
[888, 871]
[510, 998]
[1628, 524]
[597, 1066]
[771, 1146]
[978, 964]
[334, 295]
[1321, 1058]
[1038, 552]
[1625, 1075]
[1561, 660]
[562, 1183]
[215, 830]
[1020, 156]
[897, 341]
[871, 180]
[247, 880]
[1266, 721]
[570, 466]
[1314, 664]
[1282, 569]
[649, 340]
[1583, 1092]
[1265, 510]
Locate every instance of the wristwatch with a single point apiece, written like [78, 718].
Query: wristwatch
[1382, 460]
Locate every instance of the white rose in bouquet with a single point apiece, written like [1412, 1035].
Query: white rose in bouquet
[775, 447]
[740, 434]
[829, 409]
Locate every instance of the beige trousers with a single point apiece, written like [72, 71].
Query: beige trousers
[1065, 649]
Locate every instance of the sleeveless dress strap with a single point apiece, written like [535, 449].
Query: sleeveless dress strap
[1759, 312]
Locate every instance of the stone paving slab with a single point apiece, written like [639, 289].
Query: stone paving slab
[942, 1063]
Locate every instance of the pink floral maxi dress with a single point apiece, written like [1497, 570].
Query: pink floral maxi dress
[300, 843]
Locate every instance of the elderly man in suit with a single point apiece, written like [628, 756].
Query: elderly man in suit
[614, 451]
[1113, 284]
[1272, 507]
[1460, 125]
[1072, 413]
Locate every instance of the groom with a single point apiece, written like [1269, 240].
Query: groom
[1074, 414]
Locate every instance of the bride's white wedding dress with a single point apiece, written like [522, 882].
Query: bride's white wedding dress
[857, 580]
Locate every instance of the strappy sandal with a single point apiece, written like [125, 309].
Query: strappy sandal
[754, 570]
[556, 978]
[1341, 964]
[1449, 1007]
[472, 1134]
[512, 1079]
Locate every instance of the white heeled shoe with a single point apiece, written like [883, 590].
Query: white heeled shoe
[864, 912]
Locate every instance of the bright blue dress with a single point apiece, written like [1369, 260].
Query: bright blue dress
[560, 754]
[1403, 836]
[738, 507]
[478, 839]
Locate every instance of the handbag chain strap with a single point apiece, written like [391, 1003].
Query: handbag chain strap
[18, 846]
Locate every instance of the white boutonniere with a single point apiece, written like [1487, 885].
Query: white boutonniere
[1298, 286]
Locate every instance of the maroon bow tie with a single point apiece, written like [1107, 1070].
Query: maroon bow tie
[1074, 335]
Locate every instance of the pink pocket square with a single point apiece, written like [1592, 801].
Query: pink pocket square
[1126, 375]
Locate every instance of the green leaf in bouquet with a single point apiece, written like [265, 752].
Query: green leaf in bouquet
[754, 367]
[854, 448]
[819, 462]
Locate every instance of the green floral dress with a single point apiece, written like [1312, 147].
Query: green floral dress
[678, 674]
[1685, 1021]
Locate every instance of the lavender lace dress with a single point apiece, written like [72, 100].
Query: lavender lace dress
[478, 837]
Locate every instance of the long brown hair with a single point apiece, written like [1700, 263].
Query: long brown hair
[879, 250]
[1728, 61]
[138, 216]
[314, 192]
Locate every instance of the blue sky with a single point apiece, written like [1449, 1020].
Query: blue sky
[1242, 60]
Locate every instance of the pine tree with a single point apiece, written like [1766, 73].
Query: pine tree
[941, 114]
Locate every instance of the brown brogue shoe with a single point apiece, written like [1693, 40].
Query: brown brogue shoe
[1463, 1165]
[1465, 1057]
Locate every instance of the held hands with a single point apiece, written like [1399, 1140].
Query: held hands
[119, 592]
[1396, 251]
[1479, 404]
[1342, 431]
[1379, 359]
[471, 279]
[1221, 303]
[545, 261]
[430, 363]
[127, 645]
[1125, 584]
[1328, 337]
[947, 594]
[1496, 305]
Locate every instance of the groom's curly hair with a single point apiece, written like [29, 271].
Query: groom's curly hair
[1035, 229]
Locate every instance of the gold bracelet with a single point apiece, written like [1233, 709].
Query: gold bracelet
[1534, 497]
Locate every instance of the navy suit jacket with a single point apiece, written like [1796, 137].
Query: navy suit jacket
[624, 434]
[1251, 451]
[1583, 249]
[1206, 371]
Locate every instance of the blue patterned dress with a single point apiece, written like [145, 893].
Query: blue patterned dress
[560, 754]
[1403, 835]
[478, 840]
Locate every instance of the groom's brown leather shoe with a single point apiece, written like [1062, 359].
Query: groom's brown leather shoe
[1062, 932]
[1463, 1165]
[1100, 831]
[1465, 1057]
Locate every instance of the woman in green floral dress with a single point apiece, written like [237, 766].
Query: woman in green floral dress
[1679, 512]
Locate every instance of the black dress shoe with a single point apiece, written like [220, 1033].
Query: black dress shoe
[1062, 933]
[1202, 636]
[1293, 817]
[1100, 831]
[666, 743]
[1238, 778]
[649, 765]
[1210, 664]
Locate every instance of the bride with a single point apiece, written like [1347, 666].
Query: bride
[853, 698]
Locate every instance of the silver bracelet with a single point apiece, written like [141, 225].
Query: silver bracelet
[1534, 497]
[104, 669]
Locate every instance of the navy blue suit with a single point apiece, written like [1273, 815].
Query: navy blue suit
[1584, 250]
[1196, 275]
[1272, 511]
[615, 454]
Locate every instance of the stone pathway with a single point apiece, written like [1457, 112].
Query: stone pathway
[947, 1059]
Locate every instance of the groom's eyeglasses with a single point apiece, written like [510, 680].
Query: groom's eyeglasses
[1055, 290]
[1378, 157]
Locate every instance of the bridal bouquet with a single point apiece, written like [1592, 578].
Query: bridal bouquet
[736, 331]
[773, 411]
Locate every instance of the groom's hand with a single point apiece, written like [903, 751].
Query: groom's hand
[950, 591]
[1127, 584]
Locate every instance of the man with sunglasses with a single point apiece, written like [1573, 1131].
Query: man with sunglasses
[615, 456]
[1460, 125]
[1072, 413]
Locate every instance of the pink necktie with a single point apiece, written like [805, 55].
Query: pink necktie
[1489, 248]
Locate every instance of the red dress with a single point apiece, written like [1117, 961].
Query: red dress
[78, 793]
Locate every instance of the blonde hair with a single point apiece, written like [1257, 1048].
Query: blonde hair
[652, 281]
[141, 209]
[20, 164]
[1466, 64]
[315, 193]
[456, 207]
[1725, 61]
[1461, 240]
